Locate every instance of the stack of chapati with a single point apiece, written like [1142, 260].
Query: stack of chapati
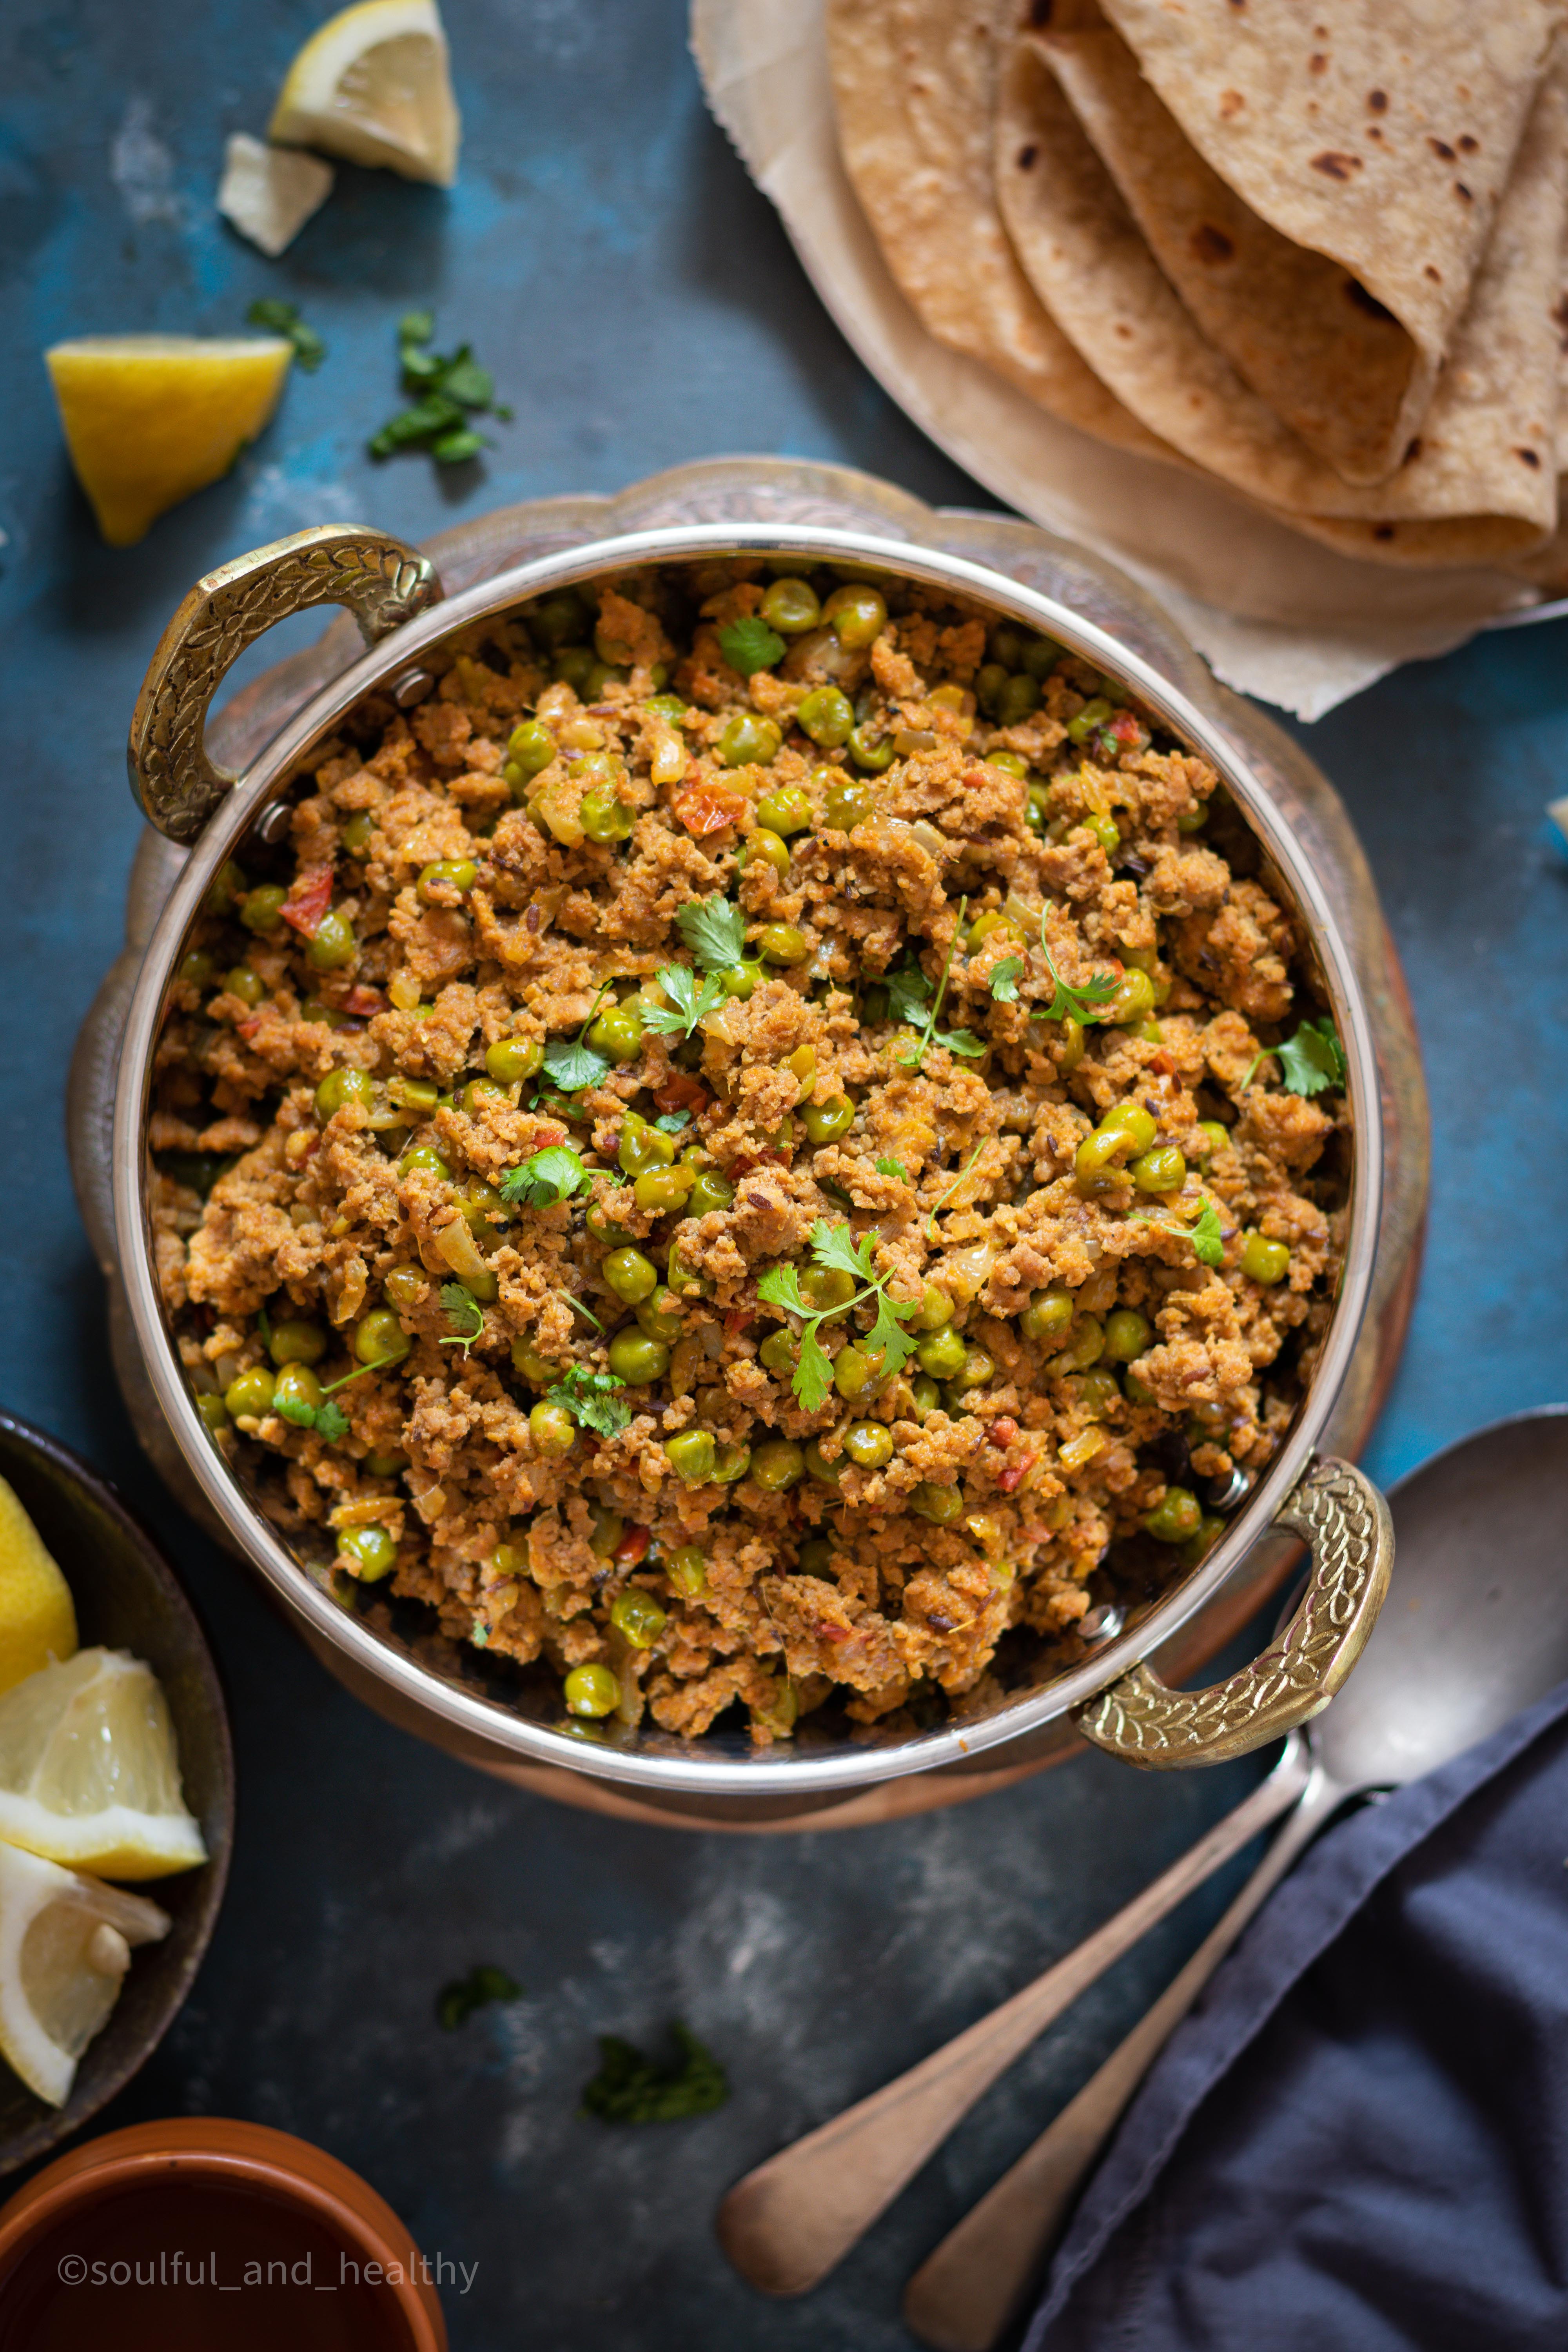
[1313, 249]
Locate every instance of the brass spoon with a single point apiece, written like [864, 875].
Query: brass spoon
[1475, 1629]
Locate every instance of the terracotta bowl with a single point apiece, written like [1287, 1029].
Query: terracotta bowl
[219, 2196]
[127, 1597]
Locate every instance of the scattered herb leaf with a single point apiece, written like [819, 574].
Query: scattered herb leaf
[581, 1307]
[592, 1398]
[548, 1177]
[670, 1122]
[574, 1066]
[447, 389]
[751, 645]
[1076, 1003]
[902, 988]
[456, 2003]
[714, 930]
[1207, 1237]
[280, 317]
[1005, 979]
[331, 1421]
[463, 1313]
[689, 1002]
[835, 1248]
[1309, 1062]
[632, 2089]
[327, 1420]
[890, 1167]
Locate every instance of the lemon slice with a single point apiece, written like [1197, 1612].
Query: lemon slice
[373, 86]
[37, 1622]
[88, 1774]
[150, 418]
[65, 1946]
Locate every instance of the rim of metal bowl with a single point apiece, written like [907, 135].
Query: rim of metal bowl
[772, 1771]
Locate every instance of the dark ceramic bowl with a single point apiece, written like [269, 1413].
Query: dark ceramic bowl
[127, 1597]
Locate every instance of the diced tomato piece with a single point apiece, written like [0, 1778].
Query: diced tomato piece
[247, 1028]
[364, 1002]
[1003, 1431]
[711, 808]
[309, 899]
[633, 1546]
[544, 1137]
[681, 1092]
[1008, 1479]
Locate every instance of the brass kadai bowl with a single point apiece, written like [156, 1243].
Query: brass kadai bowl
[507, 1719]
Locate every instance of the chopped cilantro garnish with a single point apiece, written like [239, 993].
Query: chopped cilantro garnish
[906, 991]
[835, 1248]
[592, 1398]
[1207, 1237]
[280, 317]
[545, 1179]
[1005, 979]
[714, 930]
[1076, 1003]
[1309, 1061]
[689, 1002]
[574, 1066]
[463, 1313]
[456, 2003]
[890, 1167]
[632, 2089]
[670, 1122]
[751, 645]
[331, 1421]
[327, 1420]
[578, 1306]
[447, 390]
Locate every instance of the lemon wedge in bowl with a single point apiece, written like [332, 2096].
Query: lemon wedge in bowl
[65, 1946]
[150, 418]
[373, 86]
[88, 1772]
[37, 1620]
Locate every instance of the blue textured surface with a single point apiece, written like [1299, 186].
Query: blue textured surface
[639, 306]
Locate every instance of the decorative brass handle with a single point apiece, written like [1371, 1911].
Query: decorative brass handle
[1346, 1522]
[382, 581]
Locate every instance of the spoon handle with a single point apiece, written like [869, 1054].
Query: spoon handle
[787, 2223]
[963, 2294]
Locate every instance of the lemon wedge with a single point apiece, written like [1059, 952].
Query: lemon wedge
[150, 418]
[373, 86]
[89, 1773]
[37, 1622]
[65, 1946]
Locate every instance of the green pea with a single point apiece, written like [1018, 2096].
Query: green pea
[1127, 1334]
[445, 874]
[683, 1278]
[617, 1035]
[827, 716]
[1133, 1121]
[380, 1337]
[688, 1570]
[480, 1091]
[1048, 1315]
[250, 1392]
[778, 1464]
[1086, 1345]
[771, 847]
[673, 707]
[604, 816]
[332, 942]
[535, 1368]
[196, 969]
[658, 1318]
[924, 1395]
[563, 613]
[1133, 1001]
[510, 1060]
[1098, 1394]
[779, 1353]
[662, 1190]
[782, 943]
[976, 1371]
[855, 613]
[1039, 657]
[941, 1505]
[482, 1207]
[850, 802]
[875, 754]
[1039, 806]
[749, 741]
[574, 666]
[385, 1465]
[1163, 1171]
[637, 1359]
[604, 1230]
[783, 810]
[990, 685]
[1018, 700]
[608, 1530]
[1192, 820]
[313, 1009]
[855, 1371]
[933, 1313]
[827, 1287]
[357, 834]
[213, 1413]
[341, 1087]
[1264, 1261]
[1095, 713]
[825, 1122]
[419, 1094]
[791, 607]
[818, 1466]
[1008, 643]
[295, 1384]
[741, 979]
[1103, 829]
[710, 1191]
[227, 885]
[691, 1453]
[637, 1615]
[1176, 1519]
[368, 1553]
[942, 1355]
[261, 909]
[590, 1691]
[814, 1558]
[630, 1275]
[1011, 764]
[552, 1428]
[730, 1463]
[297, 1342]
[424, 1157]
[642, 1146]
[868, 1445]
[1209, 1531]
[247, 985]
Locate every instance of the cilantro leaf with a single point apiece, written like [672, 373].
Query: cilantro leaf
[450, 387]
[780, 1286]
[295, 1409]
[280, 317]
[331, 1421]
[572, 1066]
[1207, 1238]
[888, 1334]
[714, 930]
[812, 1381]
[903, 988]
[751, 645]
[670, 1122]
[463, 1313]
[1005, 979]
[631, 2089]
[689, 1004]
[960, 1041]
[834, 1247]
[456, 2003]
[591, 1400]
[908, 994]
[548, 1177]
[580, 1307]
[1312, 1059]
[890, 1167]
[1076, 1003]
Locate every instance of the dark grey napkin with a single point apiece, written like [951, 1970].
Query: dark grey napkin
[1359, 2141]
